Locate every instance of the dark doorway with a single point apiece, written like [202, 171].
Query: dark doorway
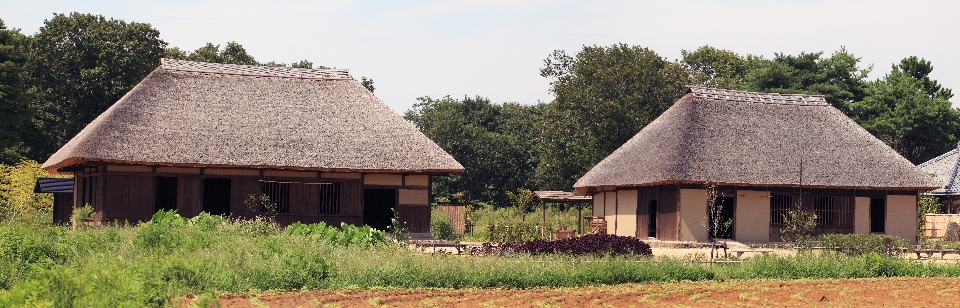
[166, 196]
[652, 218]
[724, 229]
[216, 196]
[878, 215]
[378, 205]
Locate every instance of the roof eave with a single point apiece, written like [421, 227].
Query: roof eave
[59, 168]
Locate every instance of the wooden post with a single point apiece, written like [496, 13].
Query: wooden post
[579, 218]
[886, 245]
[543, 208]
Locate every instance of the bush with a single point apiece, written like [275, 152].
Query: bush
[518, 233]
[18, 202]
[346, 235]
[440, 226]
[863, 244]
[590, 244]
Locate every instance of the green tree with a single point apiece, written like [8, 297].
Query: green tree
[233, 53]
[838, 78]
[485, 138]
[367, 83]
[603, 96]
[80, 65]
[718, 68]
[910, 112]
[15, 109]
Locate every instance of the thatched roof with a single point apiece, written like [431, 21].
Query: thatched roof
[755, 139]
[558, 197]
[945, 169]
[220, 115]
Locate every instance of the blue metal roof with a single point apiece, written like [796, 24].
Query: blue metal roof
[53, 185]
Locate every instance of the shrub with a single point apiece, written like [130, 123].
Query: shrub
[863, 244]
[590, 244]
[18, 202]
[517, 232]
[346, 235]
[440, 226]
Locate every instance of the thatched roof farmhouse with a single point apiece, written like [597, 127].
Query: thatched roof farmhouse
[752, 147]
[196, 136]
[945, 169]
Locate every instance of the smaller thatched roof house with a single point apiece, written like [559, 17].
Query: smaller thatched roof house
[946, 171]
[198, 136]
[757, 149]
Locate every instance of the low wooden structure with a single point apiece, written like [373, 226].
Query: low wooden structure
[562, 197]
[946, 171]
[939, 226]
[457, 214]
[763, 154]
[62, 190]
[238, 140]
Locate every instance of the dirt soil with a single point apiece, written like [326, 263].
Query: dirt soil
[897, 292]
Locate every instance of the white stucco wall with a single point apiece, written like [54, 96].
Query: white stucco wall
[861, 215]
[610, 211]
[626, 213]
[751, 218]
[598, 203]
[693, 215]
[902, 216]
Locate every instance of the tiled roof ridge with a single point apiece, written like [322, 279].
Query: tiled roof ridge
[938, 158]
[253, 70]
[756, 97]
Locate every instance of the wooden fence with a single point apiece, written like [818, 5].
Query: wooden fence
[456, 214]
[938, 224]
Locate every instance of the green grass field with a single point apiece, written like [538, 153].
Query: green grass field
[154, 263]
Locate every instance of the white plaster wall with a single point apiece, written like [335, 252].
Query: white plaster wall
[626, 213]
[861, 215]
[902, 217]
[414, 197]
[417, 180]
[751, 217]
[598, 203]
[693, 215]
[610, 211]
[383, 179]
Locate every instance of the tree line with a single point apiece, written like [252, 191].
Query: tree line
[53, 83]
[58, 80]
[604, 95]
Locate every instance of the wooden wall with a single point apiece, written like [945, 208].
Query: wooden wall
[128, 193]
[416, 217]
[189, 195]
[668, 220]
[128, 198]
[62, 208]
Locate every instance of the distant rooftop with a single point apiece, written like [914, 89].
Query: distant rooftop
[253, 70]
[756, 97]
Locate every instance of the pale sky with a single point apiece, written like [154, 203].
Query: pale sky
[496, 48]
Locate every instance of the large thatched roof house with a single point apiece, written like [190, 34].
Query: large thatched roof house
[198, 137]
[753, 147]
[946, 170]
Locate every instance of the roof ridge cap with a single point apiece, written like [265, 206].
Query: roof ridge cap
[938, 158]
[253, 70]
[718, 94]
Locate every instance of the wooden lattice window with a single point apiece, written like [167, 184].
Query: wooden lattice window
[329, 198]
[277, 193]
[834, 213]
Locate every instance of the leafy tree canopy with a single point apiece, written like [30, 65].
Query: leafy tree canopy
[490, 140]
[80, 64]
[604, 95]
[15, 109]
[718, 68]
[838, 78]
[910, 112]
